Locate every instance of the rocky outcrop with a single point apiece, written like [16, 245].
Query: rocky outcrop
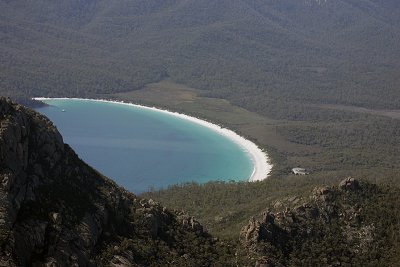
[332, 214]
[190, 222]
[57, 211]
[349, 184]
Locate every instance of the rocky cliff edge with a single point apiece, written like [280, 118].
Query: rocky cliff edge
[57, 211]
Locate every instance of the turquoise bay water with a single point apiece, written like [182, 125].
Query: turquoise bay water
[142, 149]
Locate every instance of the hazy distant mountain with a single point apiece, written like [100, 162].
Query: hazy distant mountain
[342, 51]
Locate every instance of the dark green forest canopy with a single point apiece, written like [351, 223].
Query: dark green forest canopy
[263, 55]
[286, 60]
[323, 75]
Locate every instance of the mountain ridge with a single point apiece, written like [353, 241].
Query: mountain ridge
[123, 46]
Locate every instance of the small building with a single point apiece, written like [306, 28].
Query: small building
[300, 171]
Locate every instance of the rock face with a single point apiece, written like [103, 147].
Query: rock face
[349, 184]
[332, 223]
[57, 211]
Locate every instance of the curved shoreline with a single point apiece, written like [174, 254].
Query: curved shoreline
[260, 159]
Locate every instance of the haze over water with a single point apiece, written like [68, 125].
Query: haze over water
[142, 149]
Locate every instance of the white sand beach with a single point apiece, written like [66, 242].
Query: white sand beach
[261, 163]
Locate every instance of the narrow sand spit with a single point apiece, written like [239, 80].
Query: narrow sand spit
[260, 159]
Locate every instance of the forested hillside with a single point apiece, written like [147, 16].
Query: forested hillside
[352, 223]
[314, 82]
[264, 55]
[306, 64]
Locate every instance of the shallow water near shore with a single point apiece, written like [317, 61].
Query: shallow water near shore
[144, 149]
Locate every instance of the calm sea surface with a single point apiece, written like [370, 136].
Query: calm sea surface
[142, 149]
